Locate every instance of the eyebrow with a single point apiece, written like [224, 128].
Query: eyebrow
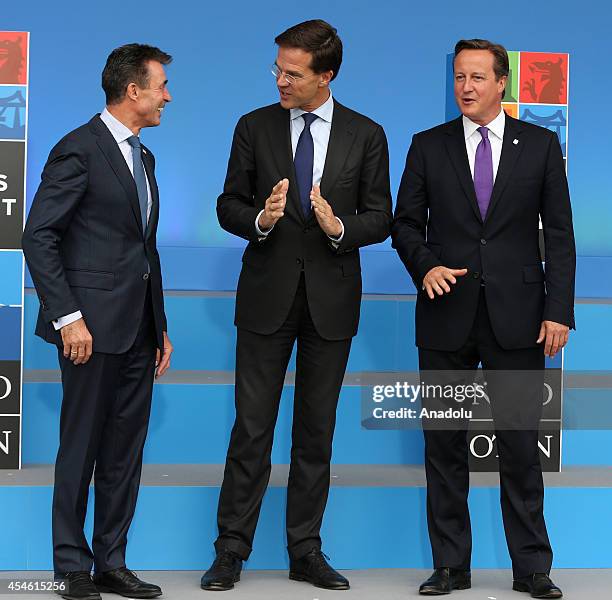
[294, 73]
[482, 74]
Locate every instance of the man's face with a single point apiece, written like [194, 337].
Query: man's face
[152, 99]
[477, 92]
[309, 90]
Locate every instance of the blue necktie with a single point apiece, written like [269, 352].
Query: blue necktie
[140, 178]
[304, 162]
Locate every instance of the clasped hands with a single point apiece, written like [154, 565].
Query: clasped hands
[439, 280]
[274, 209]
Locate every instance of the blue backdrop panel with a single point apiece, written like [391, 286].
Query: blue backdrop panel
[11, 277]
[10, 326]
[399, 81]
[387, 528]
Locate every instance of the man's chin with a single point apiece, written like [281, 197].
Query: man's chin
[286, 102]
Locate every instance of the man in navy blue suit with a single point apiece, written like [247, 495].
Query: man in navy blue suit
[90, 244]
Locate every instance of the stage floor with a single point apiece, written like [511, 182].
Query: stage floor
[379, 584]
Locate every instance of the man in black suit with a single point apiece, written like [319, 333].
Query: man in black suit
[90, 244]
[307, 185]
[466, 228]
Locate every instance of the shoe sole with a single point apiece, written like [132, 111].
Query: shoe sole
[432, 592]
[69, 597]
[296, 577]
[219, 588]
[517, 586]
[107, 590]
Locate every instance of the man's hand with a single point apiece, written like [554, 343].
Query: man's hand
[556, 336]
[164, 364]
[437, 278]
[78, 343]
[324, 213]
[274, 208]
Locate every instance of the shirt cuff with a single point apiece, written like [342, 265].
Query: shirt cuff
[66, 320]
[337, 240]
[262, 234]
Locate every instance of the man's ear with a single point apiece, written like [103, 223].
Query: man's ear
[131, 91]
[326, 78]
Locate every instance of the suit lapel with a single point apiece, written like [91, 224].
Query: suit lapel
[455, 145]
[509, 155]
[279, 134]
[110, 149]
[340, 141]
[147, 161]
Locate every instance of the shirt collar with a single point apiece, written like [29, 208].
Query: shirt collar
[118, 130]
[496, 126]
[324, 112]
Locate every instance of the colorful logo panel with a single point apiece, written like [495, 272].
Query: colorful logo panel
[13, 57]
[550, 117]
[12, 112]
[13, 125]
[544, 77]
[512, 85]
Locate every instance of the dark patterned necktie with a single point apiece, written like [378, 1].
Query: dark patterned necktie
[304, 162]
[140, 178]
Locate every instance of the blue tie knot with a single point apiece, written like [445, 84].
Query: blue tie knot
[484, 132]
[134, 141]
[309, 118]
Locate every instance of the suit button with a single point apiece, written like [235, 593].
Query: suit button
[298, 261]
[145, 276]
[483, 241]
[476, 274]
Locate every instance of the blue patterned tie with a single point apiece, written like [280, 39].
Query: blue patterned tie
[304, 162]
[140, 178]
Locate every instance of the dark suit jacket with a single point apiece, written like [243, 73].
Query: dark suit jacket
[437, 222]
[84, 243]
[356, 184]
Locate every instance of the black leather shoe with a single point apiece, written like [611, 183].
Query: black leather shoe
[124, 582]
[538, 585]
[223, 573]
[76, 585]
[445, 580]
[315, 569]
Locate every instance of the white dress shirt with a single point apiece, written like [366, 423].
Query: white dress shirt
[121, 133]
[320, 130]
[496, 137]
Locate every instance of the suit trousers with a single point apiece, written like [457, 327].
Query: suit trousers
[261, 365]
[103, 426]
[516, 410]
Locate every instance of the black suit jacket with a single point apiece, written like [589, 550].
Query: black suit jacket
[356, 184]
[84, 242]
[437, 222]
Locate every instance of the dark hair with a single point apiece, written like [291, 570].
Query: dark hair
[128, 64]
[318, 38]
[501, 63]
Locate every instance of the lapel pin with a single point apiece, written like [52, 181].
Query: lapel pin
[515, 142]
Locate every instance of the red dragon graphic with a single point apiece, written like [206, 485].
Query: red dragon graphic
[12, 63]
[544, 81]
